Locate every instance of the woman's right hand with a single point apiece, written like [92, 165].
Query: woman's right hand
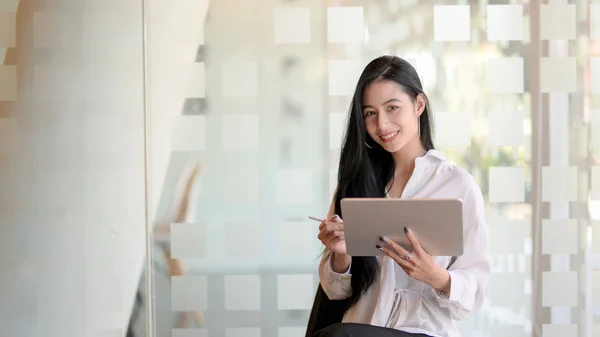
[331, 234]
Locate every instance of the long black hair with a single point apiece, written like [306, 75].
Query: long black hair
[365, 172]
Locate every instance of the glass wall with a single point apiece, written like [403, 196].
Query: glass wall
[257, 101]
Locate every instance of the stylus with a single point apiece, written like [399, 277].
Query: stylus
[316, 218]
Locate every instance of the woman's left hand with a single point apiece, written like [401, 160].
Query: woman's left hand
[417, 264]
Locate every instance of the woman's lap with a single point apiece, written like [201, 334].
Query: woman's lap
[362, 330]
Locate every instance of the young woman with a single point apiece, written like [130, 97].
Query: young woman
[388, 151]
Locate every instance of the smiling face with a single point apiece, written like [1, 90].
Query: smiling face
[391, 115]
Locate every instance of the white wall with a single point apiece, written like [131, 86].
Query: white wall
[72, 218]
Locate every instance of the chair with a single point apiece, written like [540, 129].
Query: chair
[179, 212]
[325, 312]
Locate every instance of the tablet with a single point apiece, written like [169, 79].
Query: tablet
[437, 224]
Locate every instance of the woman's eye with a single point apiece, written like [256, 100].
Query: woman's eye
[369, 113]
[393, 108]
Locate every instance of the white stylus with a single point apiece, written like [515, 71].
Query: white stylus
[316, 218]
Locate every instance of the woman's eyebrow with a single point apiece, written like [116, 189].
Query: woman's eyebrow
[384, 103]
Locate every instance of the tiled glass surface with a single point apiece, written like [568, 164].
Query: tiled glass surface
[292, 25]
[505, 75]
[558, 21]
[452, 23]
[257, 93]
[505, 22]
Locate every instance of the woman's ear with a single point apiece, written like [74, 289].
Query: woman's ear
[421, 102]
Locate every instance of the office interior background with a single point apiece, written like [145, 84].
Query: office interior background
[158, 159]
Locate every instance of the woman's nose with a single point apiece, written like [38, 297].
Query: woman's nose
[382, 119]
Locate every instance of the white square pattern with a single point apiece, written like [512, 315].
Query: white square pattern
[337, 126]
[294, 187]
[595, 127]
[297, 239]
[188, 133]
[505, 22]
[452, 23]
[505, 75]
[343, 76]
[596, 330]
[558, 74]
[240, 132]
[502, 330]
[506, 128]
[595, 182]
[295, 292]
[559, 184]
[243, 332]
[188, 293]
[595, 74]
[239, 79]
[595, 21]
[559, 330]
[292, 25]
[291, 331]
[453, 129]
[243, 240]
[245, 182]
[596, 238]
[509, 235]
[507, 184]
[557, 22]
[242, 292]
[345, 24]
[188, 241]
[507, 289]
[193, 80]
[596, 286]
[560, 237]
[559, 289]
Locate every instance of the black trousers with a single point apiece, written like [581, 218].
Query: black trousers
[362, 330]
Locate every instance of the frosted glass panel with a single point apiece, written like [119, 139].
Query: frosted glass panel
[260, 94]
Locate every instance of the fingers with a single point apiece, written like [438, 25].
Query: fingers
[393, 246]
[329, 230]
[413, 240]
[327, 235]
[334, 219]
[393, 254]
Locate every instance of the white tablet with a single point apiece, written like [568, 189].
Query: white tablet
[437, 223]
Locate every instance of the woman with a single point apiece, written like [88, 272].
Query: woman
[388, 151]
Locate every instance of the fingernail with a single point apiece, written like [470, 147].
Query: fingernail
[406, 230]
[335, 216]
[382, 239]
[379, 248]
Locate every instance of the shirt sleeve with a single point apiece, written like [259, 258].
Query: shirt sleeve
[336, 286]
[470, 273]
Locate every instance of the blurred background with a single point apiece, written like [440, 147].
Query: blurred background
[158, 159]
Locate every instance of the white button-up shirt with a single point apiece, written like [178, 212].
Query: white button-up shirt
[398, 301]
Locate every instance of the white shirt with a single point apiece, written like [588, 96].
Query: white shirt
[398, 301]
